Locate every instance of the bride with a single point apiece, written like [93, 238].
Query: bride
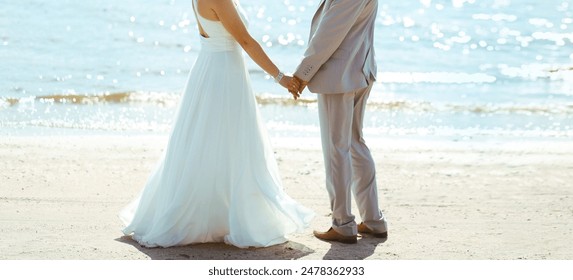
[218, 180]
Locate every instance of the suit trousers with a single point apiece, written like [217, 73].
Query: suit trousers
[348, 163]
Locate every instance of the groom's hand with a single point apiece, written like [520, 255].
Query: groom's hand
[301, 84]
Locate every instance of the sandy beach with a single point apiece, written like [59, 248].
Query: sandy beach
[59, 199]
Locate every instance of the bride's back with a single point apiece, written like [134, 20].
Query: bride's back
[212, 28]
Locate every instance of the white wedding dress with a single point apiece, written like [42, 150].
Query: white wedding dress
[218, 180]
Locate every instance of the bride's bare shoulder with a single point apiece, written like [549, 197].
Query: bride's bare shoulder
[210, 9]
[223, 8]
[219, 3]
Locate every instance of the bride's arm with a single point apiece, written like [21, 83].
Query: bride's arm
[231, 20]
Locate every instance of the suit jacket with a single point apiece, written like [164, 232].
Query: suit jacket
[340, 53]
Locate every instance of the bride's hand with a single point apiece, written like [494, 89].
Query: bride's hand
[291, 85]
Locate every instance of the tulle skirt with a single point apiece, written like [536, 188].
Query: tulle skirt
[218, 179]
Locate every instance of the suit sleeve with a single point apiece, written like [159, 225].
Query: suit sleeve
[331, 31]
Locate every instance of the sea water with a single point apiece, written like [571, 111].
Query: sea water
[456, 69]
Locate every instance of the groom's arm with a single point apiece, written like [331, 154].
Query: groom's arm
[331, 31]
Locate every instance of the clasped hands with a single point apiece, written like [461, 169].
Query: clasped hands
[294, 85]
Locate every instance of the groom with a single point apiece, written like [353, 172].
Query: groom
[339, 66]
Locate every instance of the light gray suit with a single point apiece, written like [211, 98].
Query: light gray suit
[339, 65]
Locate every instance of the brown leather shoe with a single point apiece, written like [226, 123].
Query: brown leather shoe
[332, 235]
[362, 228]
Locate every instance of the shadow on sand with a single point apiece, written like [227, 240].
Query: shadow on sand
[365, 247]
[220, 251]
[362, 250]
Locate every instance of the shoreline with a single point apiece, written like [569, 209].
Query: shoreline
[60, 196]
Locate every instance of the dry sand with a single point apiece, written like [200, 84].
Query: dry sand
[59, 199]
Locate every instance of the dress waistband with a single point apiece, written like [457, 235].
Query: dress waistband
[219, 44]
